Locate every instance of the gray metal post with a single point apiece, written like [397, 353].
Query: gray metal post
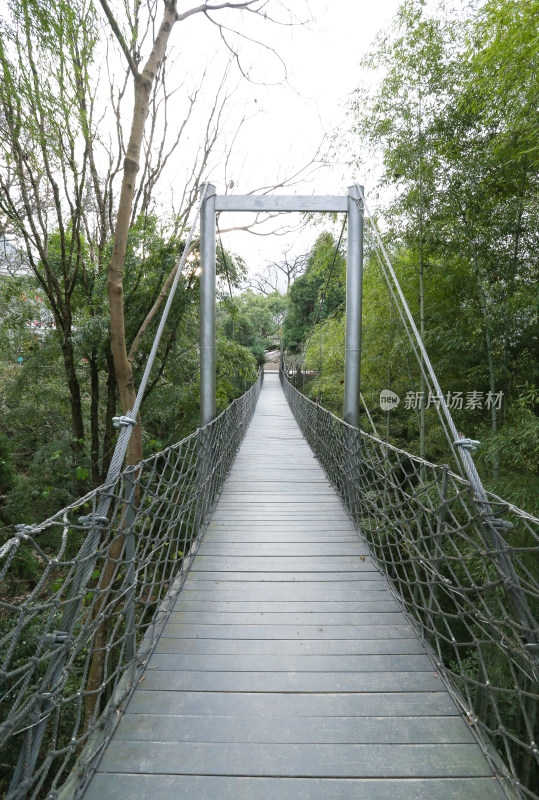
[354, 291]
[207, 307]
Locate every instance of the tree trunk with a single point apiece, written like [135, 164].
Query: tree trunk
[488, 341]
[143, 83]
[510, 322]
[490, 364]
[77, 421]
[108, 436]
[94, 419]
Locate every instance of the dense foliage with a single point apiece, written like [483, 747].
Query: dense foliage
[457, 142]
[253, 321]
[326, 260]
[40, 468]
[92, 257]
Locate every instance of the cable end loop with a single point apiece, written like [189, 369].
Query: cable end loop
[123, 422]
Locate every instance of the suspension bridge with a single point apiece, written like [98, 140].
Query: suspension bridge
[280, 604]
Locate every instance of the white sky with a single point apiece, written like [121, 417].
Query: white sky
[288, 122]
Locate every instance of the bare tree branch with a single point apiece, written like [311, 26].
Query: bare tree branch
[205, 7]
[119, 36]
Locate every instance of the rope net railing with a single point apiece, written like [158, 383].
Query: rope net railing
[463, 570]
[74, 644]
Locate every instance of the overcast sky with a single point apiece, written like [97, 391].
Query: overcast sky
[288, 121]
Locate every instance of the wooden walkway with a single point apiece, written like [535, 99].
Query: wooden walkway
[286, 670]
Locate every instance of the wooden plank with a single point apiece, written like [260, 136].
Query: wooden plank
[303, 531]
[278, 549]
[266, 492]
[277, 486]
[254, 564]
[338, 619]
[285, 592]
[293, 563]
[331, 529]
[317, 760]
[335, 647]
[306, 479]
[292, 607]
[288, 590]
[189, 787]
[310, 662]
[283, 632]
[292, 682]
[272, 537]
[333, 577]
[398, 704]
[289, 729]
[281, 514]
[301, 526]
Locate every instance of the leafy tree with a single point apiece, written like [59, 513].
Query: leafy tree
[306, 292]
[145, 72]
[7, 473]
[45, 51]
[462, 225]
[501, 87]
[49, 472]
[253, 320]
[77, 191]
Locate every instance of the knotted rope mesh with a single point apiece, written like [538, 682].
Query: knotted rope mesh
[464, 569]
[73, 645]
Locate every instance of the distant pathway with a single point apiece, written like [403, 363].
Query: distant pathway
[286, 670]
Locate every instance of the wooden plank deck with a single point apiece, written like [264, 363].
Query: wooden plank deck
[286, 669]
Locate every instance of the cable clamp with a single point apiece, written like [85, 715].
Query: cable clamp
[56, 638]
[24, 531]
[93, 519]
[501, 524]
[468, 444]
[123, 422]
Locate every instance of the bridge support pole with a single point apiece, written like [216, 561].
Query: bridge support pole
[207, 306]
[354, 297]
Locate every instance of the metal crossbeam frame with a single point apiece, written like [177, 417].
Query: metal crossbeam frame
[350, 204]
[273, 203]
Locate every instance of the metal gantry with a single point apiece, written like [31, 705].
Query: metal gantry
[350, 204]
